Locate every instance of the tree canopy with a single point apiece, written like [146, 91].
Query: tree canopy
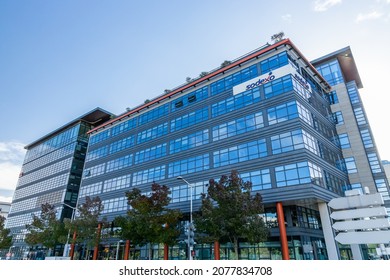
[5, 237]
[149, 220]
[230, 212]
[86, 221]
[46, 229]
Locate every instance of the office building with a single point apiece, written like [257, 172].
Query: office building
[272, 116]
[361, 159]
[51, 173]
[296, 129]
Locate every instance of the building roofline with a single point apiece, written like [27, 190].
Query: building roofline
[346, 62]
[235, 63]
[93, 116]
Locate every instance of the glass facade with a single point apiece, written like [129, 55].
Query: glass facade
[353, 127]
[51, 172]
[285, 133]
[277, 135]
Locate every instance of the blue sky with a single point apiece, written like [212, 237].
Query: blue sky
[60, 59]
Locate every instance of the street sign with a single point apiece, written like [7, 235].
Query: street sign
[359, 213]
[362, 224]
[363, 237]
[356, 201]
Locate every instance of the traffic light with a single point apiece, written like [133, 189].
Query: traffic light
[190, 232]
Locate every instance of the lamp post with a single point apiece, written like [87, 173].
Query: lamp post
[117, 249]
[190, 226]
[66, 248]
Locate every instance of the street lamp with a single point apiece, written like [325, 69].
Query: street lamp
[190, 226]
[117, 249]
[66, 248]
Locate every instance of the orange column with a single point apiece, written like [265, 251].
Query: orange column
[71, 253]
[217, 255]
[166, 252]
[282, 230]
[96, 248]
[127, 250]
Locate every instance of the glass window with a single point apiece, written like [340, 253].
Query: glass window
[97, 153]
[190, 119]
[151, 153]
[278, 86]
[350, 165]
[98, 137]
[149, 175]
[298, 173]
[359, 115]
[332, 97]
[122, 144]
[236, 102]
[189, 98]
[344, 141]
[119, 163]
[240, 153]
[235, 79]
[190, 165]
[374, 163]
[260, 179]
[353, 92]
[282, 113]
[293, 140]
[238, 126]
[382, 188]
[331, 72]
[152, 133]
[274, 62]
[154, 114]
[182, 192]
[366, 137]
[338, 117]
[117, 183]
[123, 126]
[189, 141]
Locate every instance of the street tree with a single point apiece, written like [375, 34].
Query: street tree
[230, 212]
[45, 229]
[149, 221]
[86, 222]
[5, 237]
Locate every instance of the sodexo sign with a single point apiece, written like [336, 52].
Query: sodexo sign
[269, 77]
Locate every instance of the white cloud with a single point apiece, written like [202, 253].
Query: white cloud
[287, 17]
[369, 16]
[5, 198]
[9, 175]
[324, 5]
[12, 151]
[11, 159]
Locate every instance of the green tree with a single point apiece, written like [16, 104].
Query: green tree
[225, 63]
[46, 229]
[149, 221]
[86, 222]
[5, 237]
[229, 212]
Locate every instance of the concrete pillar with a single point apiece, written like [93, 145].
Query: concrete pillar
[333, 253]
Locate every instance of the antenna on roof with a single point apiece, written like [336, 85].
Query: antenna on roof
[277, 37]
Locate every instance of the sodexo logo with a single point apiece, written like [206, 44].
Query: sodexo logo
[302, 81]
[260, 82]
